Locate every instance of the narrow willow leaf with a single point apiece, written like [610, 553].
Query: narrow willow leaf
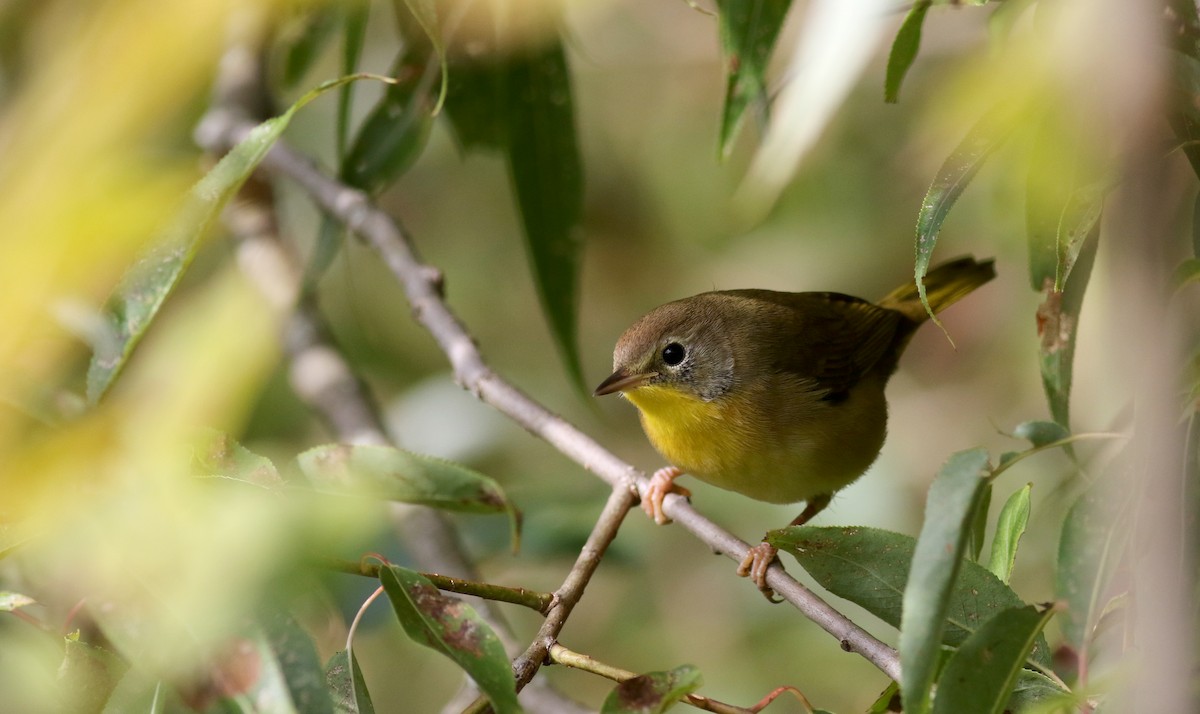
[748, 30]
[1186, 272]
[870, 568]
[146, 286]
[1041, 433]
[982, 674]
[652, 693]
[949, 510]
[397, 475]
[951, 180]
[978, 530]
[425, 13]
[219, 454]
[547, 173]
[299, 667]
[1058, 326]
[453, 628]
[1014, 517]
[344, 678]
[904, 50]
[354, 34]
[1035, 692]
[1182, 112]
[394, 133]
[1093, 540]
[888, 700]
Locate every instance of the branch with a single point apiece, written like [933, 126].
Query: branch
[220, 130]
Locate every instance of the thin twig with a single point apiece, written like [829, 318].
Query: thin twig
[219, 131]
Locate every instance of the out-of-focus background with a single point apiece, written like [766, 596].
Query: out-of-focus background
[99, 105]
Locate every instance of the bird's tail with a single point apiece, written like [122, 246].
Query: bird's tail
[944, 285]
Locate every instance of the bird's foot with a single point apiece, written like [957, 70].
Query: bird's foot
[662, 482]
[755, 564]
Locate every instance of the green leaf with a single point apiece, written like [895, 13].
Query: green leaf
[397, 475]
[1186, 272]
[1058, 326]
[547, 174]
[652, 693]
[870, 568]
[1009, 528]
[904, 50]
[1041, 433]
[345, 679]
[982, 674]
[1092, 542]
[87, 676]
[955, 494]
[1196, 227]
[522, 104]
[453, 628]
[748, 30]
[978, 530]
[1035, 691]
[951, 180]
[1183, 113]
[146, 286]
[315, 28]
[10, 601]
[354, 34]
[394, 134]
[888, 700]
[296, 657]
[13, 536]
[218, 454]
[425, 13]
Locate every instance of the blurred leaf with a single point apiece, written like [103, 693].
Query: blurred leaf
[1058, 323]
[1041, 433]
[452, 627]
[1009, 529]
[10, 601]
[393, 135]
[748, 30]
[869, 567]
[330, 238]
[397, 475]
[888, 700]
[344, 678]
[146, 286]
[652, 693]
[425, 13]
[1182, 111]
[87, 676]
[1093, 540]
[1196, 227]
[137, 693]
[978, 530]
[953, 498]
[1186, 272]
[296, 657]
[951, 180]
[13, 536]
[354, 32]
[522, 104]
[982, 674]
[1034, 689]
[904, 50]
[316, 27]
[218, 454]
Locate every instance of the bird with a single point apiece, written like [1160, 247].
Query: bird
[778, 396]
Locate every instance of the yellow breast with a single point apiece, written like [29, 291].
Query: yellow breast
[779, 452]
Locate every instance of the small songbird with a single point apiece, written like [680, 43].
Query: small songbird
[778, 396]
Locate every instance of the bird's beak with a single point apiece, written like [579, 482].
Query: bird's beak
[621, 380]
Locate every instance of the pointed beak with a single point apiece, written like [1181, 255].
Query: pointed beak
[621, 380]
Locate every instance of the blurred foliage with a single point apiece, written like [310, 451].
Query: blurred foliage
[167, 519]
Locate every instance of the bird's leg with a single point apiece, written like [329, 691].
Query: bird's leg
[662, 483]
[760, 557]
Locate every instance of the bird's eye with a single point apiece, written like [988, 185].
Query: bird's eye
[673, 354]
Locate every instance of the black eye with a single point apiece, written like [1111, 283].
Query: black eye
[672, 354]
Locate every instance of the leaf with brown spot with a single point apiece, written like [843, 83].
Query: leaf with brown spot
[452, 627]
[652, 693]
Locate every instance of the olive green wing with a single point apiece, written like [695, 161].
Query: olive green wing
[833, 339]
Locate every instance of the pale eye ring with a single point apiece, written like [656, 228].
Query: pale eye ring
[673, 354]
